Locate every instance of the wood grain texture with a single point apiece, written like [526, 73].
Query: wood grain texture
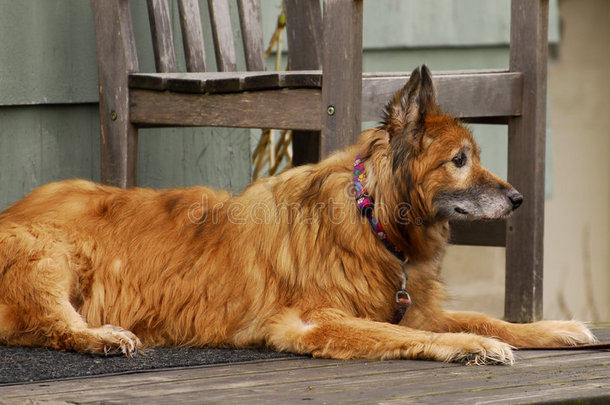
[116, 59]
[473, 94]
[192, 35]
[181, 157]
[47, 55]
[291, 80]
[252, 34]
[162, 37]
[280, 109]
[54, 142]
[536, 377]
[212, 82]
[148, 81]
[526, 156]
[303, 32]
[224, 47]
[479, 233]
[342, 66]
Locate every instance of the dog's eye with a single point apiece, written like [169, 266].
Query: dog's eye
[459, 160]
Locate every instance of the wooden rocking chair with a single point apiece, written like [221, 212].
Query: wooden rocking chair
[325, 97]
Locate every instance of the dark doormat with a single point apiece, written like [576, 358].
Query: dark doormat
[23, 364]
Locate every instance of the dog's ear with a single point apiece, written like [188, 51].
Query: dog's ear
[407, 110]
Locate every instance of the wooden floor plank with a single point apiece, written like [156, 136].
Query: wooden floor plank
[513, 395]
[420, 385]
[536, 376]
[353, 380]
[393, 385]
[244, 376]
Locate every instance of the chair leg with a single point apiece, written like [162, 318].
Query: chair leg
[526, 150]
[342, 69]
[117, 58]
[119, 148]
[304, 17]
[305, 147]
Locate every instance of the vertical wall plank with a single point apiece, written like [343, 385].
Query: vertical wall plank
[116, 58]
[224, 48]
[69, 139]
[303, 30]
[20, 153]
[252, 34]
[342, 66]
[192, 35]
[215, 157]
[526, 155]
[161, 30]
[43, 143]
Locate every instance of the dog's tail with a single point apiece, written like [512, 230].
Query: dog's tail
[409, 106]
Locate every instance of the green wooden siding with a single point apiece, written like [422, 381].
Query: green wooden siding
[43, 143]
[49, 124]
[401, 24]
[47, 52]
[216, 157]
[49, 121]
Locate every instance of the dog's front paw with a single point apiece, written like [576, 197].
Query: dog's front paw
[473, 349]
[487, 351]
[116, 340]
[560, 333]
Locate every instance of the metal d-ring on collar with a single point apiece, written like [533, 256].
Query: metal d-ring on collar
[402, 293]
[366, 204]
[402, 297]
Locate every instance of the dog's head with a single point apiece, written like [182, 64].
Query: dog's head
[435, 160]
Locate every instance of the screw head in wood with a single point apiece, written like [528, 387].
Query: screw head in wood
[330, 110]
[113, 115]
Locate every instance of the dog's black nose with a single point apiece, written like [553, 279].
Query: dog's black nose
[515, 197]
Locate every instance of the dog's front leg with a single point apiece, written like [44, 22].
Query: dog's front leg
[536, 334]
[331, 333]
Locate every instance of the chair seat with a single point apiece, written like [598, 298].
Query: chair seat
[475, 95]
[225, 82]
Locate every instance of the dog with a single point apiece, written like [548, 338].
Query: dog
[339, 259]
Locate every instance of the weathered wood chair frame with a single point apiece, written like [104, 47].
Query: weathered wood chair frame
[326, 106]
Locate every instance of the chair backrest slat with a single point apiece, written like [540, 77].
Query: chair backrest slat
[223, 36]
[224, 45]
[303, 29]
[161, 30]
[192, 35]
[252, 34]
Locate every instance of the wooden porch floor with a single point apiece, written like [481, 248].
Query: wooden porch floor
[579, 376]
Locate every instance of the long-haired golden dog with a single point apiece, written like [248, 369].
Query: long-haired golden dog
[318, 260]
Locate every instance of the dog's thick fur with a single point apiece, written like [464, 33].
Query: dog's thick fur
[290, 264]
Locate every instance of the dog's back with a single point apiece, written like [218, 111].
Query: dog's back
[131, 258]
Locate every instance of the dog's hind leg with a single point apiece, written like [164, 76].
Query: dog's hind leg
[36, 281]
[331, 333]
